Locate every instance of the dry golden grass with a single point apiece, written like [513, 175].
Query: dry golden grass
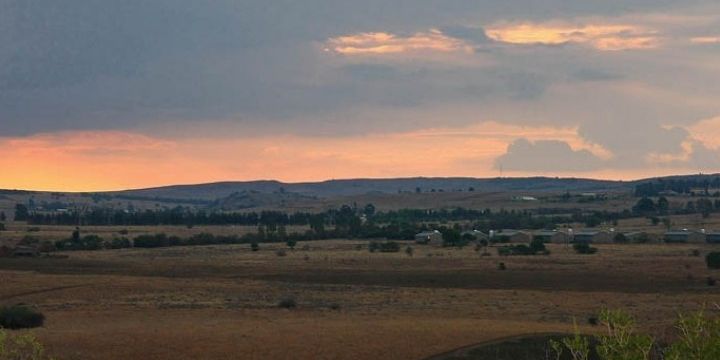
[220, 302]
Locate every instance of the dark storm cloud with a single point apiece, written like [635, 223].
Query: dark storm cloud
[98, 64]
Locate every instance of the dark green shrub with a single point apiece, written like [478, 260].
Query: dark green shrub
[287, 303]
[87, 242]
[409, 251]
[584, 248]
[157, 240]
[502, 267]
[386, 247]
[713, 260]
[536, 247]
[254, 246]
[120, 243]
[20, 317]
[620, 238]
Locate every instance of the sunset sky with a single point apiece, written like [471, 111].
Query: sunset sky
[104, 95]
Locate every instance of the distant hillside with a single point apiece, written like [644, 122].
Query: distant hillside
[255, 199]
[352, 187]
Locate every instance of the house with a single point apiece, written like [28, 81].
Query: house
[591, 236]
[712, 237]
[508, 235]
[429, 237]
[551, 236]
[684, 236]
[25, 251]
[524, 198]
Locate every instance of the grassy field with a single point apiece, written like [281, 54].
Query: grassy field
[221, 301]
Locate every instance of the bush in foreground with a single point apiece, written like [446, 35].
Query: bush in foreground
[20, 347]
[20, 317]
[698, 338]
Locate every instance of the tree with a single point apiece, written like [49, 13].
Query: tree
[644, 206]
[21, 212]
[291, 243]
[254, 246]
[663, 205]
[537, 246]
[704, 206]
[667, 223]
[584, 248]
[282, 233]
[369, 210]
[713, 260]
[620, 238]
[2, 216]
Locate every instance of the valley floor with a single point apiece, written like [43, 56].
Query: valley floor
[221, 302]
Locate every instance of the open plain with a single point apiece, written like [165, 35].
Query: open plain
[221, 302]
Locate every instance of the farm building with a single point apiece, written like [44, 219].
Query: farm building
[684, 236]
[551, 236]
[25, 251]
[512, 236]
[712, 237]
[429, 237]
[592, 236]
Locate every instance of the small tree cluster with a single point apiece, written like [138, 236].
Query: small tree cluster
[584, 248]
[386, 247]
[20, 317]
[536, 247]
[713, 260]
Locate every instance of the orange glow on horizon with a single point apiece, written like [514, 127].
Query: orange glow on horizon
[115, 160]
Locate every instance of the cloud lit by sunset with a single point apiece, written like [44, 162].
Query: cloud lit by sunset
[601, 37]
[384, 43]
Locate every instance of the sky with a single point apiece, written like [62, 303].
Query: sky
[98, 95]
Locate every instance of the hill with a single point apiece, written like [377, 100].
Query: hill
[353, 187]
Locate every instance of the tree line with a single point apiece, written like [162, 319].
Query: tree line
[349, 220]
[680, 186]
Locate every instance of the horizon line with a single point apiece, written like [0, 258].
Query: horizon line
[161, 186]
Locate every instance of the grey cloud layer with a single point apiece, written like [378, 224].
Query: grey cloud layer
[95, 64]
